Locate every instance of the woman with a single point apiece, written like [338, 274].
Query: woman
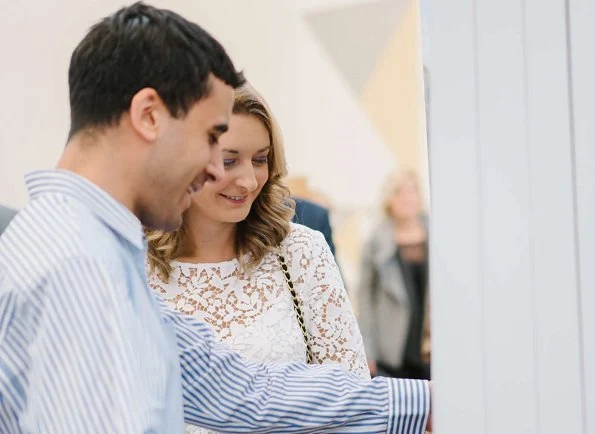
[225, 265]
[393, 287]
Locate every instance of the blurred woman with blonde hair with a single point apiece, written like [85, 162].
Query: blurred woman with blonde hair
[269, 288]
[393, 287]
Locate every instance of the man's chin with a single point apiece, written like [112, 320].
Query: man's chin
[166, 224]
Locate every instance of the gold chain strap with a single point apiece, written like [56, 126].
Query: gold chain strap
[296, 306]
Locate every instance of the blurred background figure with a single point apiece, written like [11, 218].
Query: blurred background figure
[393, 285]
[6, 215]
[312, 209]
[315, 217]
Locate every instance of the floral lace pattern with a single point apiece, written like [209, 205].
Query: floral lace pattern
[252, 310]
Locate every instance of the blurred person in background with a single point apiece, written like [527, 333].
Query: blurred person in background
[225, 265]
[311, 207]
[315, 217]
[393, 289]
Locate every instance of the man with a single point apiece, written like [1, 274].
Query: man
[6, 215]
[315, 217]
[84, 346]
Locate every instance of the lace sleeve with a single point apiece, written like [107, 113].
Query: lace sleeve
[159, 287]
[332, 328]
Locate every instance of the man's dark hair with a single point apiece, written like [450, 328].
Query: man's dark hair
[141, 46]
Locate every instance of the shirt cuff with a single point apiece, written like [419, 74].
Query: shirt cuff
[409, 406]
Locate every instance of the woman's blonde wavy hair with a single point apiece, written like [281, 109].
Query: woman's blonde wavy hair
[268, 222]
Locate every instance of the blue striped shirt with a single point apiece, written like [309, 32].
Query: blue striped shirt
[86, 347]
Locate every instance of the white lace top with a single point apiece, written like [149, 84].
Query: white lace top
[253, 312]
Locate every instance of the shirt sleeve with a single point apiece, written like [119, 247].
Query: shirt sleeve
[226, 393]
[79, 377]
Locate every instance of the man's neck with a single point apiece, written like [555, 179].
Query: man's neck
[93, 158]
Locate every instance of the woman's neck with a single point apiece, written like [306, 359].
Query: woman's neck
[207, 241]
[407, 224]
[409, 231]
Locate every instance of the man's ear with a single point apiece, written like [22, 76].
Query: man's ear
[148, 113]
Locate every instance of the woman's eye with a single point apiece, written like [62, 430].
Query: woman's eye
[261, 160]
[228, 162]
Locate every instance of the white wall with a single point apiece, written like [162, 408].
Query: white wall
[582, 88]
[324, 125]
[512, 159]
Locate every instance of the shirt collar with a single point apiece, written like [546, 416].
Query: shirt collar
[109, 210]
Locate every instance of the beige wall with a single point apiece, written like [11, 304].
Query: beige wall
[392, 95]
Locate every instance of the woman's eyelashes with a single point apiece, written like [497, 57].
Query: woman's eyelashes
[263, 159]
[228, 162]
[257, 161]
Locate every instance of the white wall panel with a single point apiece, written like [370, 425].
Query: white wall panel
[557, 350]
[455, 226]
[581, 16]
[504, 208]
[511, 159]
